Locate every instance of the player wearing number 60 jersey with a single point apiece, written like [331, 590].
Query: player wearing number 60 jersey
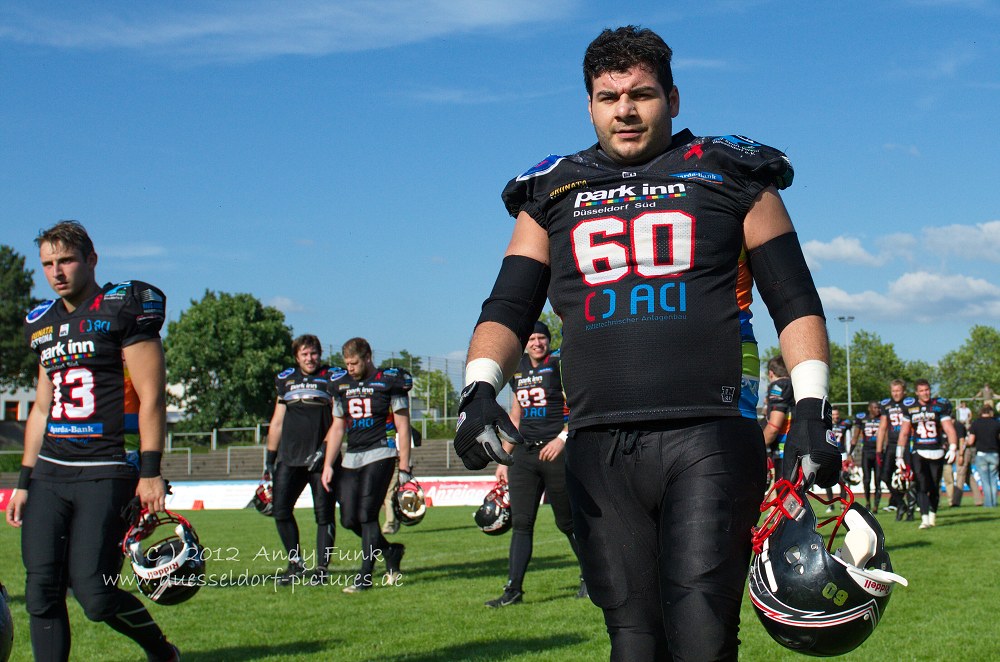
[75, 477]
[648, 245]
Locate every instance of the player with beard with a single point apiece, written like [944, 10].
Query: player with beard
[76, 480]
[302, 416]
[867, 435]
[539, 464]
[648, 245]
[364, 397]
[890, 421]
[934, 443]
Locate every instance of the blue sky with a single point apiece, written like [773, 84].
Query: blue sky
[343, 161]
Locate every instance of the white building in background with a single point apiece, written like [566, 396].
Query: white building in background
[15, 405]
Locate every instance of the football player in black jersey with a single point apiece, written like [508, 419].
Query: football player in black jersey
[890, 420]
[295, 449]
[364, 397]
[935, 442]
[75, 479]
[648, 245]
[868, 426]
[779, 404]
[539, 464]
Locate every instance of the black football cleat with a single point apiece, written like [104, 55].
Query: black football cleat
[511, 596]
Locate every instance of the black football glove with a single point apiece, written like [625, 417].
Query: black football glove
[811, 432]
[482, 424]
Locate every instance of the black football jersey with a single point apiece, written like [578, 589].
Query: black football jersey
[781, 398]
[81, 352]
[539, 392]
[893, 411]
[366, 404]
[925, 420]
[650, 276]
[840, 430]
[308, 403]
[867, 428]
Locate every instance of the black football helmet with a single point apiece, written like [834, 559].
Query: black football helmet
[408, 503]
[493, 517]
[172, 569]
[810, 600]
[6, 626]
[263, 496]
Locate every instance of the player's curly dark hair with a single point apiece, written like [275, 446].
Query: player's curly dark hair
[69, 234]
[623, 48]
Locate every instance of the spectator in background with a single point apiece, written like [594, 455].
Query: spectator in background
[963, 472]
[780, 402]
[987, 395]
[963, 414]
[983, 436]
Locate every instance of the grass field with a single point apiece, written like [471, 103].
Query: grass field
[948, 612]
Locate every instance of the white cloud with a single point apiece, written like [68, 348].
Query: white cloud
[249, 30]
[286, 305]
[922, 297]
[842, 250]
[980, 241]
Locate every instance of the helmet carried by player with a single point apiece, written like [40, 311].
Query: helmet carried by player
[808, 599]
[408, 503]
[493, 517]
[851, 473]
[902, 479]
[171, 569]
[263, 496]
[6, 626]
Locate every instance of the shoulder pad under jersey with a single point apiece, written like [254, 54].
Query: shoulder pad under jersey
[287, 372]
[908, 401]
[745, 156]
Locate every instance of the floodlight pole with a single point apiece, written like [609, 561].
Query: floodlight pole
[847, 319]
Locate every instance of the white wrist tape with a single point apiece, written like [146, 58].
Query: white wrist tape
[899, 452]
[810, 379]
[484, 370]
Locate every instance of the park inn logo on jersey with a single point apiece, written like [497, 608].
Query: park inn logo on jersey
[628, 193]
[68, 348]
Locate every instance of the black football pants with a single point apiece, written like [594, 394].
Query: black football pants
[927, 475]
[528, 478]
[361, 495]
[662, 514]
[288, 485]
[72, 536]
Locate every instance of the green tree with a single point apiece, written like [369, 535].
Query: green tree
[964, 370]
[224, 351]
[18, 364]
[436, 390]
[406, 361]
[555, 328]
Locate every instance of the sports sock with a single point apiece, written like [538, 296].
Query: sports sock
[520, 555]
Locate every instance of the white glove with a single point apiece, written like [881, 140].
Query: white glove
[901, 464]
[949, 457]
